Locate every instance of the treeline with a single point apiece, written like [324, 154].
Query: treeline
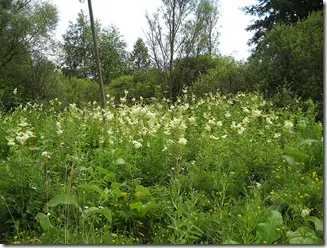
[181, 49]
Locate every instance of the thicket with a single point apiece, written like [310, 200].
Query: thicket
[45, 94]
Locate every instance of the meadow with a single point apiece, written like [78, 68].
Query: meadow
[222, 169]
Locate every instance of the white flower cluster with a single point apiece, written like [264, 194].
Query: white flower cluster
[22, 133]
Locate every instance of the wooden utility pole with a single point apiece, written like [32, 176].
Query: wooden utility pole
[96, 55]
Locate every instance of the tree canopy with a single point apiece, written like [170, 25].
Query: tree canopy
[272, 12]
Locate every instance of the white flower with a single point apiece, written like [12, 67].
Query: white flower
[15, 91]
[256, 113]
[245, 109]
[11, 142]
[288, 125]
[258, 185]
[137, 144]
[277, 135]
[46, 154]
[224, 136]
[305, 212]
[228, 115]
[59, 131]
[245, 120]
[211, 122]
[219, 124]
[269, 122]
[23, 137]
[207, 128]
[241, 130]
[182, 141]
[23, 123]
[48, 214]
[191, 119]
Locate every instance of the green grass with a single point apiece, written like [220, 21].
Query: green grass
[222, 169]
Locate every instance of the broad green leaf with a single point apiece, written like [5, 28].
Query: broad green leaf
[110, 176]
[142, 209]
[297, 156]
[91, 187]
[303, 235]
[319, 225]
[44, 221]
[120, 161]
[267, 231]
[62, 199]
[289, 160]
[137, 206]
[231, 242]
[115, 185]
[94, 210]
[308, 141]
[107, 213]
[141, 191]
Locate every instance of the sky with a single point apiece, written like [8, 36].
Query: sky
[129, 17]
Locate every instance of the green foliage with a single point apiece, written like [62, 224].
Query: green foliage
[188, 70]
[291, 58]
[271, 13]
[62, 199]
[79, 91]
[139, 84]
[24, 27]
[267, 232]
[78, 58]
[140, 58]
[228, 76]
[207, 170]
[303, 236]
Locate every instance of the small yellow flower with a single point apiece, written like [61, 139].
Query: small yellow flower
[317, 179]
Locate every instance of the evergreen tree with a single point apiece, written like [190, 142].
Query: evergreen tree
[140, 56]
[272, 12]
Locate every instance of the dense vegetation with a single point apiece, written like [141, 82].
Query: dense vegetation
[220, 169]
[192, 147]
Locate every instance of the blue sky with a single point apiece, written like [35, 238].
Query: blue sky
[128, 16]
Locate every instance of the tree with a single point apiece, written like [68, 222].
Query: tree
[25, 41]
[202, 35]
[272, 12]
[113, 55]
[78, 60]
[291, 57]
[178, 29]
[25, 27]
[165, 46]
[140, 59]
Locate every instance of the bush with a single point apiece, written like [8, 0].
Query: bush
[291, 57]
[228, 76]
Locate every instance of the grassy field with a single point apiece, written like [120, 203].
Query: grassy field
[222, 169]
